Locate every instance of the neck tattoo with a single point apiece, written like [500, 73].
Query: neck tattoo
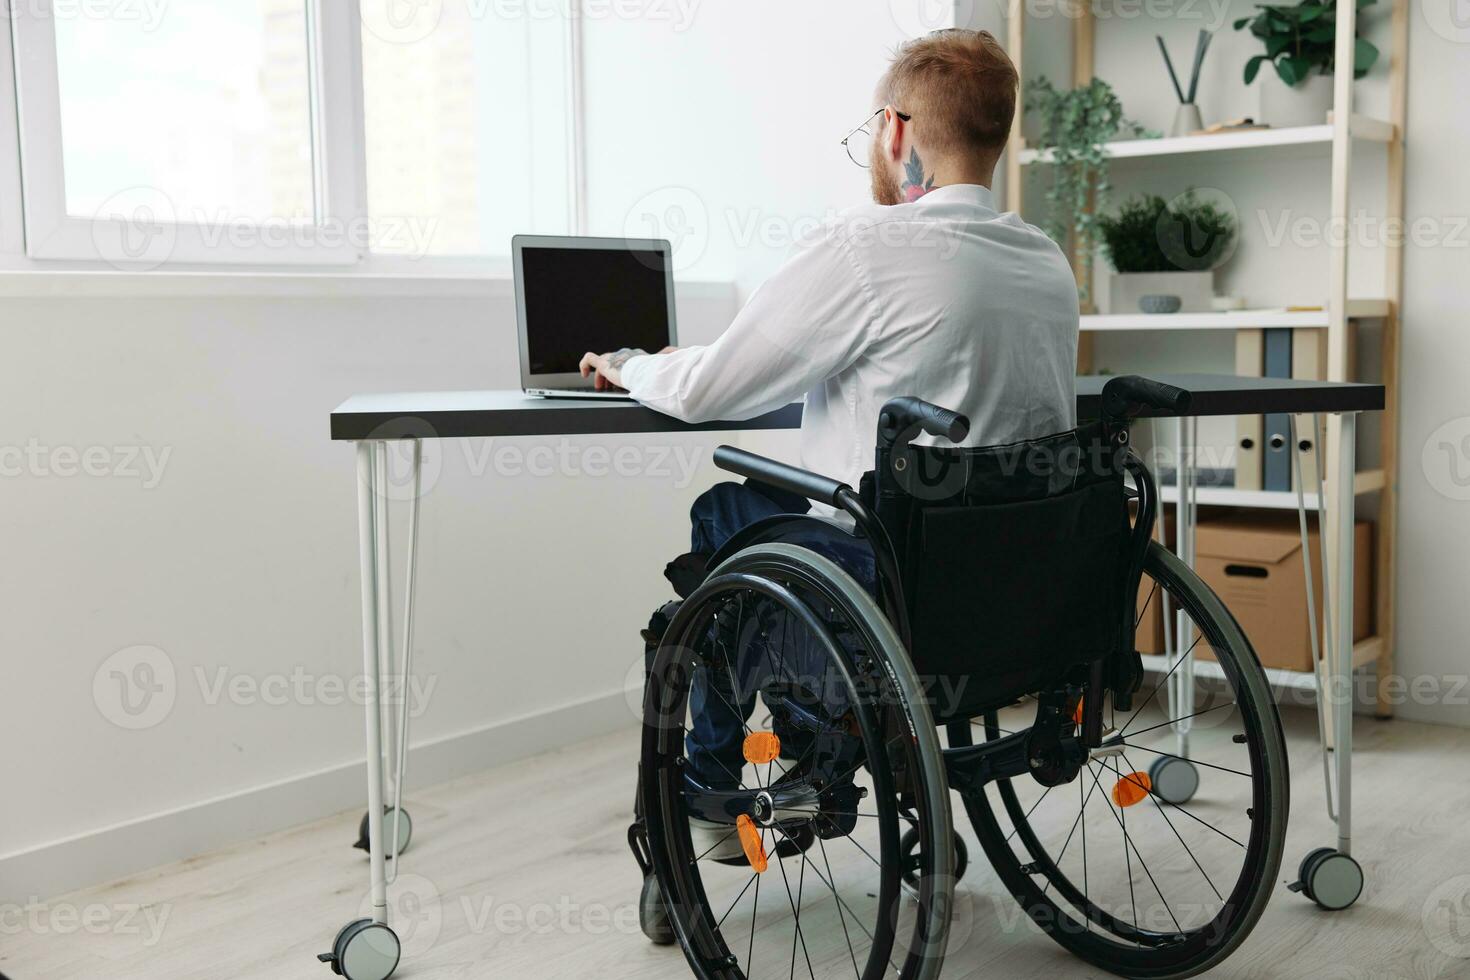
[915, 185]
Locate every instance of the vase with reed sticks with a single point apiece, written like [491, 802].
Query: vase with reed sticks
[1187, 118]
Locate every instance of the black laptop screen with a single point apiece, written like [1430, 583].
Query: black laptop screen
[583, 299]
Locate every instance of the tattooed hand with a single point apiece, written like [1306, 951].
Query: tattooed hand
[607, 368]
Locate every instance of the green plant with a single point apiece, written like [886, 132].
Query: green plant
[1149, 235]
[1074, 126]
[1302, 39]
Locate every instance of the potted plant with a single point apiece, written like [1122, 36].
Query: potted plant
[1074, 126]
[1165, 252]
[1301, 44]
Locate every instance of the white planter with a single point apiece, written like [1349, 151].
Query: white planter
[1195, 289]
[1285, 105]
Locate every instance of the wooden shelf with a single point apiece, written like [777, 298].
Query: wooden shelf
[1368, 481]
[1365, 652]
[1358, 309]
[1363, 128]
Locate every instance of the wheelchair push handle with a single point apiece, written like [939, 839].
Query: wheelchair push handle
[792, 479]
[1126, 395]
[907, 411]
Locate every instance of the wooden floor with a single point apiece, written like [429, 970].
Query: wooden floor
[523, 871]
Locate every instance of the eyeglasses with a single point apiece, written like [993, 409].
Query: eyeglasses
[858, 142]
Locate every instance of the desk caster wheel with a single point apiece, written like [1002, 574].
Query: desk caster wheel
[405, 832]
[1330, 878]
[908, 849]
[364, 950]
[1174, 780]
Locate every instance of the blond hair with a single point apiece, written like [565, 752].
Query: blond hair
[960, 87]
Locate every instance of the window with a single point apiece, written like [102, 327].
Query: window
[289, 132]
[467, 127]
[209, 108]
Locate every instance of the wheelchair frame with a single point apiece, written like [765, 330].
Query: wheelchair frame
[1050, 751]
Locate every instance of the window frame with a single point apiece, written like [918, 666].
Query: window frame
[37, 233]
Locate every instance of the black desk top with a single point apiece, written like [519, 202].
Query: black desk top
[475, 414]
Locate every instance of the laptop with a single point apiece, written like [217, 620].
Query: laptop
[575, 295]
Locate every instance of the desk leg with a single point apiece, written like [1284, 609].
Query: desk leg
[368, 949]
[1342, 675]
[1182, 699]
[369, 498]
[1329, 876]
[383, 562]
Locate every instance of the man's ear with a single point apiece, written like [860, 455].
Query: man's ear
[893, 134]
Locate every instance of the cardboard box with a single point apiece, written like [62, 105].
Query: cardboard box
[1148, 636]
[1255, 565]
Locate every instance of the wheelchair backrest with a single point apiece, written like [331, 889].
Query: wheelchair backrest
[1014, 561]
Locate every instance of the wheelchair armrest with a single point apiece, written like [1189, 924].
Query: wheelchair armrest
[792, 479]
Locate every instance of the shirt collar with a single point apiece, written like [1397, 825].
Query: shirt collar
[962, 194]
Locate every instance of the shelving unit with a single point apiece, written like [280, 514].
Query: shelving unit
[1361, 128]
[1343, 133]
[1368, 481]
[1358, 309]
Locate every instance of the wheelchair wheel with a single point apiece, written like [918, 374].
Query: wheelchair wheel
[819, 889]
[1123, 877]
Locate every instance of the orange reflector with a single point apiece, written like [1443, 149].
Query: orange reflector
[1132, 788]
[1077, 715]
[750, 840]
[761, 748]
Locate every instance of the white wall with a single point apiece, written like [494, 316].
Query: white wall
[725, 136]
[240, 564]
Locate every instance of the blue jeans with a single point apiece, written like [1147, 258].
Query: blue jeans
[720, 704]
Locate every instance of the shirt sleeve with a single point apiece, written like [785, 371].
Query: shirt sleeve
[809, 321]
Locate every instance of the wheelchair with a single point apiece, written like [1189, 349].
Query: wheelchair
[1008, 584]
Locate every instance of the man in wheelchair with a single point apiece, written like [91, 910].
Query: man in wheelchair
[892, 586]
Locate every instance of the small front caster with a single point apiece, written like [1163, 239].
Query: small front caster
[908, 849]
[1174, 780]
[653, 914]
[1330, 878]
[364, 950]
[405, 832]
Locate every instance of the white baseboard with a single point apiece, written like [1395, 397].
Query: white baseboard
[114, 852]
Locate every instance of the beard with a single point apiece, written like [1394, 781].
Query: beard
[885, 185]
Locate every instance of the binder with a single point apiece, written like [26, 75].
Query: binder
[1308, 363]
[1276, 453]
[1249, 361]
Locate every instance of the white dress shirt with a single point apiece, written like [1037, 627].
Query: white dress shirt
[943, 298]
